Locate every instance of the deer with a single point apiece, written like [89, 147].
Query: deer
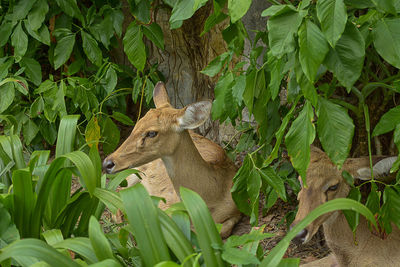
[163, 136]
[325, 182]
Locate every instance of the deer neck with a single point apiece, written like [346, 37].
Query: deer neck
[186, 165]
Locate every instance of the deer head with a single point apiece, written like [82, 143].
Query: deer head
[158, 133]
[325, 182]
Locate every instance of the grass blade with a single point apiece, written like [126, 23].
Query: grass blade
[100, 244]
[66, 135]
[39, 250]
[79, 245]
[207, 233]
[143, 219]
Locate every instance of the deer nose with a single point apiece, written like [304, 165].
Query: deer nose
[301, 237]
[108, 165]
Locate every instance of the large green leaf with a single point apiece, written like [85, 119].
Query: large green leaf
[91, 48]
[215, 66]
[21, 9]
[32, 69]
[8, 230]
[7, 92]
[276, 254]
[333, 17]
[313, 48]
[66, 135]
[29, 131]
[299, 138]
[5, 31]
[388, 121]
[155, 34]
[175, 239]
[19, 41]
[37, 249]
[37, 14]
[111, 135]
[223, 91]
[335, 130]
[63, 50]
[274, 180]
[100, 244]
[207, 234]
[238, 8]
[134, 47]
[386, 36]
[183, 9]
[79, 245]
[282, 29]
[70, 8]
[347, 58]
[143, 219]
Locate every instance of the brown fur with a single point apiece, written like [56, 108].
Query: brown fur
[190, 160]
[370, 250]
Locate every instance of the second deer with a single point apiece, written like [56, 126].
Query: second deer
[163, 133]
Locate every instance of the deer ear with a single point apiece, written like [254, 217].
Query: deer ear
[194, 115]
[380, 169]
[160, 95]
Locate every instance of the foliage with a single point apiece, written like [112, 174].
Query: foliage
[330, 62]
[56, 59]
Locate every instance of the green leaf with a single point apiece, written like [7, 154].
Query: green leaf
[299, 138]
[352, 217]
[204, 225]
[390, 211]
[175, 238]
[5, 31]
[32, 69]
[63, 50]
[92, 132]
[37, 249]
[42, 34]
[30, 131]
[253, 190]
[389, 6]
[238, 8]
[274, 180]
[183, 9]
[276, 10]
[19, 40]
[238, 89]
[100, 244]
[282, 29]
[239, 256]
[79, 245]
[347, 58]
[53, 236]
[335, 130]
[276, 68]
[21, 9]
[141, 10]
[66, 135]
[215, 66]
[122, 118]
[212, 20]
[222, 90]
[109, 198]
[388, 121]
[333, 17]
[8, 230]
[7, 93]
[313, 48]
[134, 47]
[91, 48]
[276, 254]
[348, 178]
[155, 34]
[70, 8]
[387, 40]
[111, 135]
[110, 80]
[145, 225]
[373, 200]
[38, 14]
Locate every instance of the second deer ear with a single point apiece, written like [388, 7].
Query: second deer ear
[194, 115]
[160, 95]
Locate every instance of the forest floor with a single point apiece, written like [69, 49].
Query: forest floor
[274, 223]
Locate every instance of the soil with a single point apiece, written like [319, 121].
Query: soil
[274, 223]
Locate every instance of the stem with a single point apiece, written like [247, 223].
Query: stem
[346, 105]
[141, 100]
[367, 126]
[370, 87]
[358, 94]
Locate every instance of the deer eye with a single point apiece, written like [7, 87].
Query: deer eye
[151, 134]
[333, 187]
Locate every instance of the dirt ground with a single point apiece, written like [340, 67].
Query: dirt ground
[315, 249]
